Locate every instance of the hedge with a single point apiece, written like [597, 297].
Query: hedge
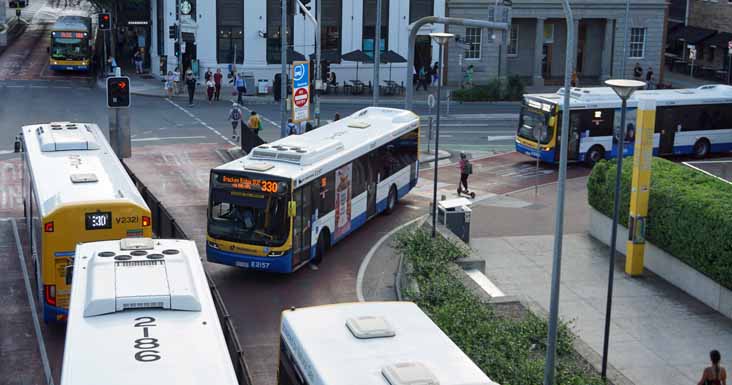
[511, 89]
[509, 351]
[689, 213]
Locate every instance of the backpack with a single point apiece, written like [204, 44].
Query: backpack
[468, 168]
[235, 114]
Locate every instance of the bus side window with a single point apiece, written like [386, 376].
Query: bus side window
[600, 122]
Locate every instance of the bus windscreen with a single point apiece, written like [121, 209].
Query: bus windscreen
[63, 48]
[249, 210]
[534, 122]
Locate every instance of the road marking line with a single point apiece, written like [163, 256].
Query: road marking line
[367, 258]
[201, 122]
[153, 139]
[32, 304]
[3, 152]
[38, 86]
[15, 86]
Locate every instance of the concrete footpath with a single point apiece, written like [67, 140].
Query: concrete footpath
[659, 334]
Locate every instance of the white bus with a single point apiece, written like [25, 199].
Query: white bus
[379, 343]
[75, 189]
[141, 312]
[693, 121]
[287, 202]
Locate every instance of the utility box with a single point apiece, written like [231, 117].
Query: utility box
[250, 84]
[455, 215]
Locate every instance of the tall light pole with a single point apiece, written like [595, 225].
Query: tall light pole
[624, 88]
[377, 53]
[626, 25]
[283, 71]
[441, 39]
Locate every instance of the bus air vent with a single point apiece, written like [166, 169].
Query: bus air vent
[136, 244]
[137, 281]
[83, 178]
[409, 373]
[290, 158]
[258, 166]
[64, 136]
[370, 327]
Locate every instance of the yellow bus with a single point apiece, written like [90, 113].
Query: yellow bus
[72, 44]
[74, 190]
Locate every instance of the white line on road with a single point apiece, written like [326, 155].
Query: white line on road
[15, 86]
[156, 139]
[367, 258]
[500, 137]
[3, 152]
[201, 122]
[32, 304]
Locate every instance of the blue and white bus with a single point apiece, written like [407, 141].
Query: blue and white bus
[287, 202]
[694, 121]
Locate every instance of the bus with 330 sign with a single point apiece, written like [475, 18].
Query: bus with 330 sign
[72, 43]
[286, 202]
[74, 190]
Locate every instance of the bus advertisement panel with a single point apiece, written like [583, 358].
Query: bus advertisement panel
[343, 200]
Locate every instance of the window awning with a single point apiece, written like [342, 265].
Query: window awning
[691, 35]
[719, 40]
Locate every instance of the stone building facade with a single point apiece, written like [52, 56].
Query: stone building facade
[536, 46]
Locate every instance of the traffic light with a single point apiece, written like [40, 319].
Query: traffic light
[176, 48]
[105, 21]
[173, 31]
[118, 92]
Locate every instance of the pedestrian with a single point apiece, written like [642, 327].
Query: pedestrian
[240, 88]
[423, 77]
[137, 58]
[466, 168]
[650, 81]
[217, 83]
[337, 117]
[191, 84]
[637, 72]
[254, 123]
[235, 117]
[176, 80]
[435, 73]
[208, 75]
[469, 76]
[575, 80]
[715, 374]
[210, 88]
[169, 84]
[112, 63]
[291, 127]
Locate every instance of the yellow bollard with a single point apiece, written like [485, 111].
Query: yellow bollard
[640, 187]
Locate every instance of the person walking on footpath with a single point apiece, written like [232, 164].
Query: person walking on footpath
[169, 79]
[176, 80]
[241, 88]
[466, 168]
[191, 84]
[650, 81]
[210, 88]
[435, 73]
[715, 374]
[637, 72]
[208, 75]
[217, 83]
[254, 122]
[235, 118]
[138, 60]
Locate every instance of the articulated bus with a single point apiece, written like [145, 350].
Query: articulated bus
[693, 121]
[74, 190]
[366, 343]
[288, 201]
[142, 313]
[72, 41]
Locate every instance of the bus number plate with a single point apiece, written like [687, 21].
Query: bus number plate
[146, 346]
[125, 220]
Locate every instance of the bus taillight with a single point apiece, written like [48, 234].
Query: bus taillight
[145, 221]
[48, 227]
[50, 291]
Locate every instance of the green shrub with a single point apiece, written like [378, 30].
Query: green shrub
[511, 89]
[510, 352]
[688, 213]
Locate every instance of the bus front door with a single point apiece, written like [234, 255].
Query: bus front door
[302, 226]
[666, 145]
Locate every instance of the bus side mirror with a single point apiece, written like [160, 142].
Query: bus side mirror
[292, 208]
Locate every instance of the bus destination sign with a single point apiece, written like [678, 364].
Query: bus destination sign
[244, 183]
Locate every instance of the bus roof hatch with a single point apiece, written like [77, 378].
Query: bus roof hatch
[64, 136]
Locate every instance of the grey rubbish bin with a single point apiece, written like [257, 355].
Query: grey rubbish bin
[455, 215]
[250, 84]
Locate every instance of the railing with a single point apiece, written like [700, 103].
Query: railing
[165, 226]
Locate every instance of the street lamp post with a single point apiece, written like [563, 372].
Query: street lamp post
[624, 88]
[441, 39]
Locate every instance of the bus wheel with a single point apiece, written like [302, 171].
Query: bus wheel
[594, 155]
[391, 201]
[701, 148]
[322, 247]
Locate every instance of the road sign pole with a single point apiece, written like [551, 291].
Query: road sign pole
[318, 69]
[283, 71]
[729, 68]
[377, 54]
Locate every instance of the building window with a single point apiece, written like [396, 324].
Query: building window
[637, 42]
[548, 33]
[420, 8]
[513, 40]
[274, 21]
[229, 31]
[369, 26]
[472, 40]
[332, 29]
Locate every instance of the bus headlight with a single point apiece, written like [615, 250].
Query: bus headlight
[275, 253]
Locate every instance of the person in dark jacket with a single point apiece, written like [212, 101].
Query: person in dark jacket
[191, 84]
